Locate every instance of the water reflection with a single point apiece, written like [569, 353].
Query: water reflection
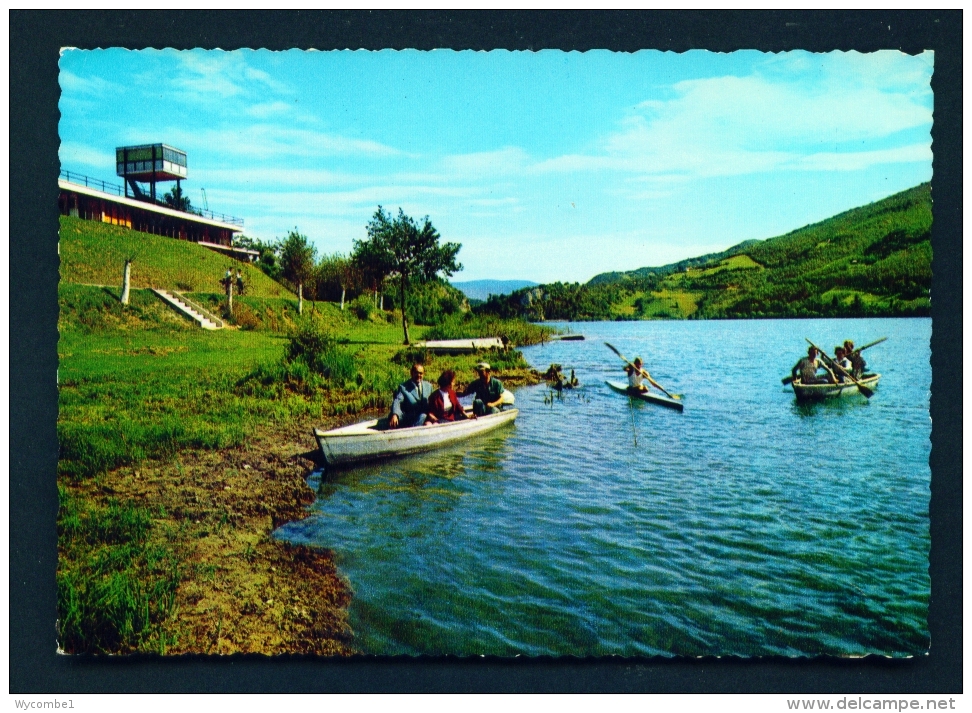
[838, 405]
[409, 488]
[749, 524]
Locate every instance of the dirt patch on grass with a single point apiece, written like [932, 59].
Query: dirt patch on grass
[241, 591]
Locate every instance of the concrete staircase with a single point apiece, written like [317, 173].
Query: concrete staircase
[182, 304]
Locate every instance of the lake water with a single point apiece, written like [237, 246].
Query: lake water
[746, 525]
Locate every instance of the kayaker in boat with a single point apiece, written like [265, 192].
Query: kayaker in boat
[410, 406]
[807, 368]
[636, 376]
[840, 357]
[855, 358]
[444, 404]
[487, 390]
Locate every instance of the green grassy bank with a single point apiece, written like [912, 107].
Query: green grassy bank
[95, 253]
[179, 448]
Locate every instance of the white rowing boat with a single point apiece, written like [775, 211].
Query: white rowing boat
[819, 392]
[372, 440]
[646, 396]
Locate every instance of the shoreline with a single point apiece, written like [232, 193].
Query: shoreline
[240, 590]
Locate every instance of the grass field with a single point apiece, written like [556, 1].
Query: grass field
[736, 262]
[155, 415]
[95, 253]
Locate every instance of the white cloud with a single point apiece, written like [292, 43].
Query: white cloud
[91, 85]
[208, 76]
[733, 125]
[860, 160]
[510, 159]
[271, 142]
[276, 178]
[72, 153]
[269, 109]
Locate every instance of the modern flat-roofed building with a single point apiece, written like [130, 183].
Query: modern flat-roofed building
[136, 207]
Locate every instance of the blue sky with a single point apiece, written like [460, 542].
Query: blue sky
[545, 166]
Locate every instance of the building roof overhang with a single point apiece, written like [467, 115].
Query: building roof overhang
[150, 207]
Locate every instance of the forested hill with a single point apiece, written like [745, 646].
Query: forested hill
[608, 277]
[869, 261]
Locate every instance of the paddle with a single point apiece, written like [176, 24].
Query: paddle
[867, 346]
[788, 379]
[868, 393]
[643, 372]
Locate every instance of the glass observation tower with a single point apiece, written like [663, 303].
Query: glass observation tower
[151, 164]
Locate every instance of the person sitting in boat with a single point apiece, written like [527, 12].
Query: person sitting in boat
[410, 406]
[840, 357]
[444, 404]
[488, 392]
[636, 376]
[807, 369]
[855, 358]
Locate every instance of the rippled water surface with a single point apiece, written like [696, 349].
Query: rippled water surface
[746, 525]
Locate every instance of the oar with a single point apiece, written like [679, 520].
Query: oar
[867, 346]
[643, 372]
[788, 379]
[868, 393]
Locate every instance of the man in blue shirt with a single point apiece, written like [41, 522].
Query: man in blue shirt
[410, 406]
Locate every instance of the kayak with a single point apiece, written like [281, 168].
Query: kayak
[646, 396]
[373, 440]
[819, 392]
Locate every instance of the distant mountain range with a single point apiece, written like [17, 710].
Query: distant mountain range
[867, 262]
[482, 289]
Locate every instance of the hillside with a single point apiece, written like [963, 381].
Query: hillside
[482, 289]
[606, 278]
[95, 253]
[869, 261]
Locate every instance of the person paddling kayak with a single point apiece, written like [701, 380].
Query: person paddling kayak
[636, 376]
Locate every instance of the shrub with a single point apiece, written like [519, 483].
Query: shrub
[312, 361]
[413, 355]
[363, 307]
[319, 350]
[244, 317]
[470, 326]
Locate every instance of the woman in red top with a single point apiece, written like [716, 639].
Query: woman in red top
[444, 404]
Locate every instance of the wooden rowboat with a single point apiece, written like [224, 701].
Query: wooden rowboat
[819, 392]
[373, 440]
[646, 396]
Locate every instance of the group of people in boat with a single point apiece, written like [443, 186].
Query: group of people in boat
[848, 359]
[417, 403]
